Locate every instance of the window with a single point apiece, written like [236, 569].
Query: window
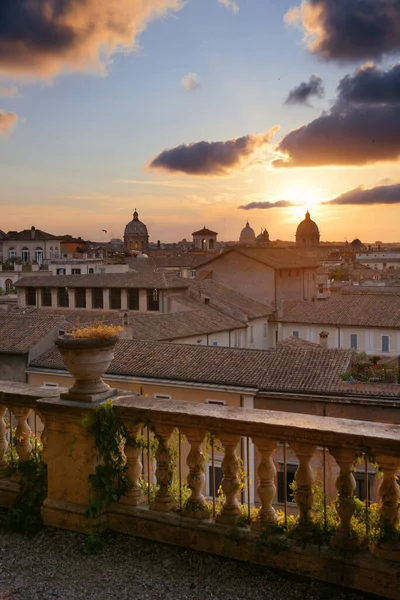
[290, 473]
[30, 296]
[97, 297]
[353, 341]
[46, 296]
[211, 244]
[265, 330]
[153, 301]
[9, 284]
[80, 297]
[238, 339]
[56, 252]
[62, 297]
[216, 402]
[193, 273]
[12, 254]
[91, 271]
[60, 271]
[361, 487]
[385, 343]
[206, 300]
[215, 343]
[39, 255]
[215, 481]
[133, 299]
[115, 298]
[75, 271]
[251, 334]
[276, 336]
[296, 334]
[51, 252]
[25, 255]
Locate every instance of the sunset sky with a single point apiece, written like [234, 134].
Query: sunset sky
[203, 112]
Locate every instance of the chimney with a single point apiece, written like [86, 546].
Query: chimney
[323, 340]
[33, 232]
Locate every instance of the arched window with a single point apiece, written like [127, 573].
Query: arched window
[12, 254]
[56, 252]
[136, 245]
[51, 252]
[8, 284]
[39, 255]
[25, 255]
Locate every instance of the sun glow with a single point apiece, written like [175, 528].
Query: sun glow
[303, 198]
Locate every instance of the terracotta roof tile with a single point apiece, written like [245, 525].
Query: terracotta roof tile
[277, 258]
[131, 279]
[283, 369]
[19, 333]
[357, 310]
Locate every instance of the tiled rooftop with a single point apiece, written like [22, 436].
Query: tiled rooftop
[19, 333]
[364, 310]
[285, 369]
[224, 299]
[131, 279]
[277, 258]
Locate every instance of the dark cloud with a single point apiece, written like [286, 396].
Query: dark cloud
[355, 135]
[371, 85]
[211, 158]
[40, 37]
[302, 93]
[382, 194]
[7, 121]
[349, 30]
[267, 205]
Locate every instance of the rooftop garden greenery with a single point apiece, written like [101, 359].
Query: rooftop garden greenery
[368, 369]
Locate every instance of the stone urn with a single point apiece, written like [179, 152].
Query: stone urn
[87, 359]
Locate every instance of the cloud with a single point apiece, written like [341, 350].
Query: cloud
[381, 194]
[231, 4]
[302, 93]
[7, 121]
[9, 91]
[348, 30]
[170, 183]
[362, 127]
[212, 158]
[46, 37]
[190, 82]
[264, 205]
[371, 85]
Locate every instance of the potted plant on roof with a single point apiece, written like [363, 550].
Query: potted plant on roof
[87, 353]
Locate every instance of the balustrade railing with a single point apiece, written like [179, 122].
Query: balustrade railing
[222, 465]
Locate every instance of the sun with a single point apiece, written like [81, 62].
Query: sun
[303, 198]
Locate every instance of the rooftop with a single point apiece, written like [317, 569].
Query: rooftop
[224, 298]
[276, 369]
[131, 279]
[32, 234]
[19, 333]
[277, 258]
[357, 310]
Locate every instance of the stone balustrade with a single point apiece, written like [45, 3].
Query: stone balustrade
[71, 458]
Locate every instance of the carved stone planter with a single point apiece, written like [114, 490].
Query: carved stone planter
[87, 360]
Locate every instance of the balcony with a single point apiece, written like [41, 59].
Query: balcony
[169, 451]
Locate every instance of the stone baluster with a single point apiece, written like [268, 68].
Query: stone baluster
[196, 505]
[23, 433]
[345, 503]
[133, 452]
[4, 468]
[164, 500]
[389, 493]
[304, 478]
[43, 436]
[266, 489]
[230, 482]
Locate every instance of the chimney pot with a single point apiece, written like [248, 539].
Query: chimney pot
[323, 339]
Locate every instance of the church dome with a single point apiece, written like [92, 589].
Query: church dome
[247, 235]
[136, 227]
[307, 233]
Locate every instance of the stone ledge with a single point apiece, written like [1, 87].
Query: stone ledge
[359, 571]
